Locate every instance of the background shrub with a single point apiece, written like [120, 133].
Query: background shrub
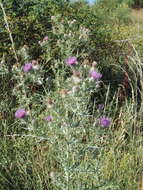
[80, 131]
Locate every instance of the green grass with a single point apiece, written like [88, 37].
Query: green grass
[73, 151]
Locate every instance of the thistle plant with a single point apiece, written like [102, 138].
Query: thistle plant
[68, 129]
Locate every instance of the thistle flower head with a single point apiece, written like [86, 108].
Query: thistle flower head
[95, 75]
[100, 107]
[34, 62]
[45, 38]
[75, 89]
[20, 113]
[71, 61]
[48, 118]
[64, 93]
[104, 121]
[49, 103]
[27, 67]
[94, 64]
[35, 65]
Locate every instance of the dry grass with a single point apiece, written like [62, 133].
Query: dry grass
[137, 18]
[141, 186]
[137, 15]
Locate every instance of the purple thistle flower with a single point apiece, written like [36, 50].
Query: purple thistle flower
[48, 118]
[71, 61]
[45, 38]
[20, 113]
[95, 75]
[27, 67]
[104, 121]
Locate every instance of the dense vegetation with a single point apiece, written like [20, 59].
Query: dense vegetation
[136, 3]
[70, 96]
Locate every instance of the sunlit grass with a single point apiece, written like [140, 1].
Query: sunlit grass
[60, 142]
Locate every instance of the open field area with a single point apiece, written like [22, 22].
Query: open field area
[71, 95]
[138, 14]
